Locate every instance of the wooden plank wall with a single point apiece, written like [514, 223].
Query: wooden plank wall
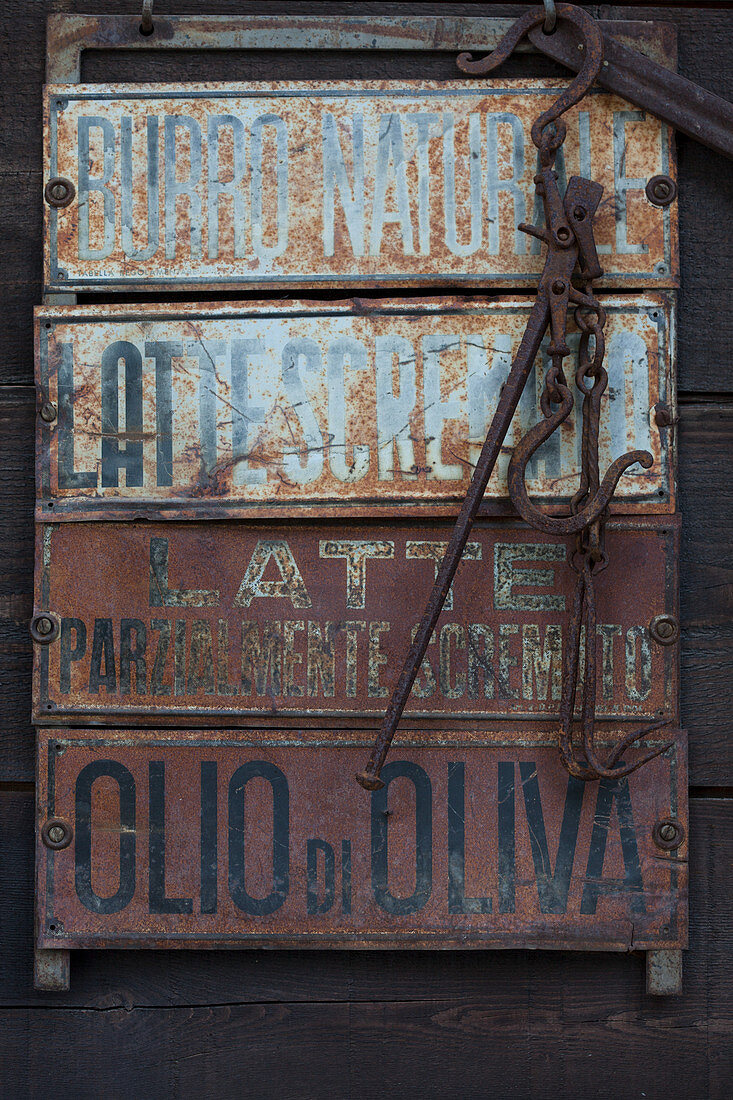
[507, 1024]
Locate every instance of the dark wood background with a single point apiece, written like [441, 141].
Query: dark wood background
[358, 1024]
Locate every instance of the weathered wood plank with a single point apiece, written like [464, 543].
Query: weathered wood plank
[706, 587]
[17, 490]
[395, 1022]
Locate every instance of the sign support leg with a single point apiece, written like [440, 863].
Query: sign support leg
[51, 970]
[664, 973]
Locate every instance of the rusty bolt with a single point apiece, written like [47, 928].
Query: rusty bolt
[668, 833]
[558, 287]
[664, 629]
[59, 191]
[57, 833]
[48, 412]
[661, 190]
[44, 629]
[579, 213]
[662, 416]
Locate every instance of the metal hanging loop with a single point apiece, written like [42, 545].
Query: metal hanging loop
[550, 17]
[146, 20]
[566, 241]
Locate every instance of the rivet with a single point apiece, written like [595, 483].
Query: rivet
[661, 190]
[57, 833]
[59, 191]
[48, 412]
[664, 629]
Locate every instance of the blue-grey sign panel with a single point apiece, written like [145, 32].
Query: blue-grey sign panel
[338, 184]
[335, 409]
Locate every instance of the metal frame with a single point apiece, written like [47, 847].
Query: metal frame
[69, 35]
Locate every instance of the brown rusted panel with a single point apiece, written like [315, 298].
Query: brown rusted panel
[178, 622]
[206, 838]
[336, 184]
[324, 409]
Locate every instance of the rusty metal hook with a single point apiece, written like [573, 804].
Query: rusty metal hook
[594, 507]
[592, 45]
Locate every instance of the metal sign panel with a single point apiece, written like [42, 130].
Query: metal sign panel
[177, 622]
[207, 838]
[359, 408]
[351, 185]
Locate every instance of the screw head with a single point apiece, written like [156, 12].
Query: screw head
[44, 629]
[664, 629]
[48, 412]
[57, 833]
[661, 190]
[662, 416]
[59, 191]
[668, 834]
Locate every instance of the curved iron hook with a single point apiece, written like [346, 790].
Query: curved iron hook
[532, 441]
[592, 44]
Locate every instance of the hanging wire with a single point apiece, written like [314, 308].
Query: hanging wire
[550, 16]
[146, 22]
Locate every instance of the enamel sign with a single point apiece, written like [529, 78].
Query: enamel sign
[346, 185]
[176, 622]
[361, 408]
[210, 838]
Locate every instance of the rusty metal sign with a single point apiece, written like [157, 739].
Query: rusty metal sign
[324, 409]
[205, 838]
[177, 622]
[343, 185]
